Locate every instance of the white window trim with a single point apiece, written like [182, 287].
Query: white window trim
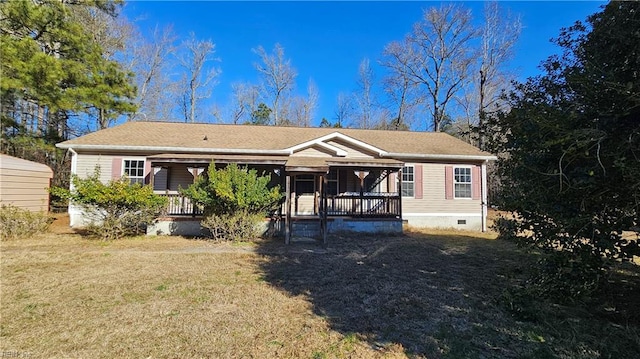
[144, 164]
[413, 171]
[470, 183]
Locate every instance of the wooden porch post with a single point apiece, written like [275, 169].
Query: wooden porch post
[323, 198]
[287, 210]
[400, 193]
[152, 175]
[484, 196]
[361, 176]
[195, 172]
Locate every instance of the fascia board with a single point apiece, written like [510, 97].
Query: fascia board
[171, 149]
[441, 157]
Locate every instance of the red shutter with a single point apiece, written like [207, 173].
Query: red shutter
[448, 182]
[147, 172]
[116, 168]
[417, 178]
[476, 183]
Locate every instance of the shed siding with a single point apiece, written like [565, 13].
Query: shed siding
[24, 184]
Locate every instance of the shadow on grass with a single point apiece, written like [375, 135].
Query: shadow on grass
[434, 295]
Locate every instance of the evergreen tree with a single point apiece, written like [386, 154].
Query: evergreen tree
[261, 115]
[572, 139]
[53, 67]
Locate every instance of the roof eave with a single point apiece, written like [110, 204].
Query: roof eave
[171, 149]
[440, 157]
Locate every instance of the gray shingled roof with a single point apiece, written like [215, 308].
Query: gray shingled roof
[183, 137]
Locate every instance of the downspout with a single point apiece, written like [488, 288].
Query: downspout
[74, 162]
[484, 196]
[74, 169]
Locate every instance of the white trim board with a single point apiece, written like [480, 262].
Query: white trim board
[442, 214]
[338, 135]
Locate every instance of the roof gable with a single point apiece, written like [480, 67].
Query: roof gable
[351, 142]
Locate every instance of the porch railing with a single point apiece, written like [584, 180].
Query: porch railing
[181, 206]
[353, 205]
[364, 205]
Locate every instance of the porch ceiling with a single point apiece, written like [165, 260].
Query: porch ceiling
[365, 162]
[206, 159]
[320, 164]
[292, 164]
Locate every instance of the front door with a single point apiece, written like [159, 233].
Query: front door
[305, 195]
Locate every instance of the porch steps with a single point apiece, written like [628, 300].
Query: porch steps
[307, 229]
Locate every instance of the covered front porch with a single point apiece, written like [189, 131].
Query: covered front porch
[322, 195]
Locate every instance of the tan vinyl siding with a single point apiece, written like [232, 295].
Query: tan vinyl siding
[32, 196]
[160, 179]
[353, 183]
[305, 204]
[351, 151]
[180, 177]
[312, 152]
[433, 200]
[86, 164]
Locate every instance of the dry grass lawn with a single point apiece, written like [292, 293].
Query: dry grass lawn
[425, 295]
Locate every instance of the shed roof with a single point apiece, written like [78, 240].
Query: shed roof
[247, 139]
[15, 163]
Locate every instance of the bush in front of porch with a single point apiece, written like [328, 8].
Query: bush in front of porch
[234, 200]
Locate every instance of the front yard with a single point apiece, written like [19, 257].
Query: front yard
[431, 295]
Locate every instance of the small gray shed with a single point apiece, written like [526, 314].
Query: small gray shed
[24, 184]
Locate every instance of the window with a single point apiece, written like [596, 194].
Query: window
[332, 183]
[462, 182]
[305, 184]
[134, 169]
[407, 182]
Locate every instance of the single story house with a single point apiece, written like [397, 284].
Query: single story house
[334, 179]
[24, 184]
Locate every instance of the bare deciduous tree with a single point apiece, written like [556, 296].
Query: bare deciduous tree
[437, 56]
[400, 87]
[198, 81]
[303, 108]
[150, 62]
[344, 109]
[278, 80]
[111, 31]
[499, 35]
[244, 101]
[364, 96]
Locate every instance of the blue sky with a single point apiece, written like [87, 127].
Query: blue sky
[327, 40]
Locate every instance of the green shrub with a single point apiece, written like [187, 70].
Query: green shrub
[17, 223]
[237, 227]
[234, 199]
[116, 209]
